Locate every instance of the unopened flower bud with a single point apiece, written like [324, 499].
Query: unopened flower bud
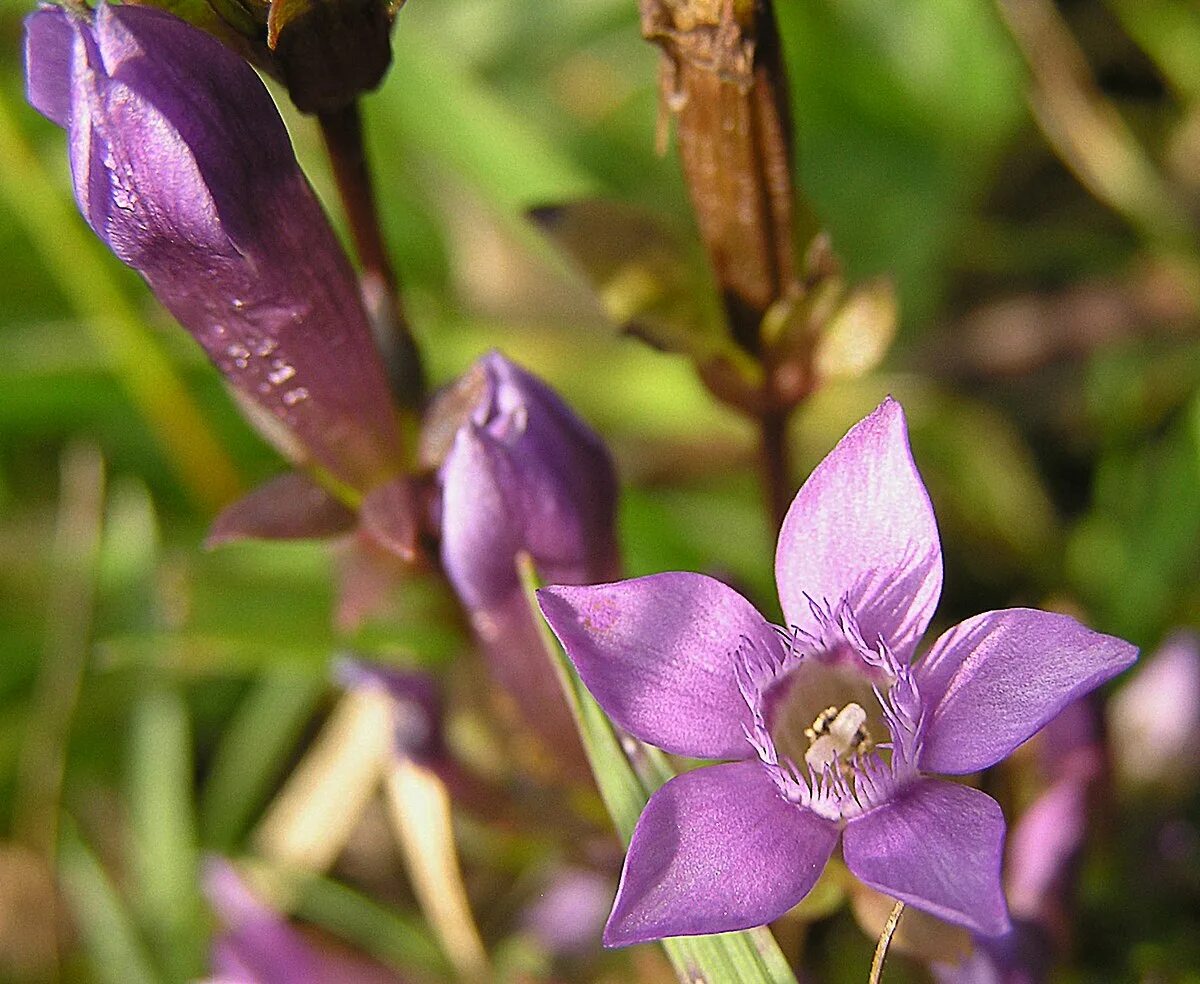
[523, 474]
[182, 165]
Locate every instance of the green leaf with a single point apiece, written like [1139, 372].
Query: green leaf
[650, 282]
[253, 750]
[164, 851]
[107, 929]
[749, 957]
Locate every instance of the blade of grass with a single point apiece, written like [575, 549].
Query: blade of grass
[312, 818]
[385, 933]
[76, 550]
[253, 751]
[419, 809]
[117, 955]
[737, 958]
[163, 828]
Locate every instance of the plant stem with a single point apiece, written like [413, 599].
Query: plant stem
[775, 463]
[885, 940]
[342, 130]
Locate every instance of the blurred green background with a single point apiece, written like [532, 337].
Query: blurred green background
[154, 696]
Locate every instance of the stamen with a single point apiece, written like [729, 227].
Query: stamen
[836, 736]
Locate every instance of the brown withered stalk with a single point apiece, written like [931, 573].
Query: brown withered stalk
[722, 79]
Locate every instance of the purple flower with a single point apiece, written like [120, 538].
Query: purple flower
[417, 704]
[256, 945]
[523, 474]
[182, 165]
[569, 912]
[1154, 719]
[833, 730]
[1041, 856]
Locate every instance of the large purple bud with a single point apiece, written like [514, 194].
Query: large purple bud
[182, 165]
[522, 474]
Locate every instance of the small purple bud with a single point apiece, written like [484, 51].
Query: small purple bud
[182, 165]
[1154, 720]
[522, 474]
[568, 915]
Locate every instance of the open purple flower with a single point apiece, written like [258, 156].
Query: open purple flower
[181, 164]
[833, 730]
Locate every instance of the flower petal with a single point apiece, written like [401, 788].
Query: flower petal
[480, 536]
[991, 682]
[862, 528]
[49, 53]
[715, 850]
[182, 165]
[937, 846]
[660, 655]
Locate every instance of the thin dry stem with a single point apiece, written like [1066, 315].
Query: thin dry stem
[885, 940]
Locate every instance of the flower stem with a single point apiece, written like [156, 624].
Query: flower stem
[885, 940]
[775, 463]
[342, 130]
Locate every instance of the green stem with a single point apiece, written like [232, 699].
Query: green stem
[342, 130]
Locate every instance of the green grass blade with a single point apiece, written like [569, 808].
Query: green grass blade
[253, 751]
[751, 957]
[116, 954]
[164, 850]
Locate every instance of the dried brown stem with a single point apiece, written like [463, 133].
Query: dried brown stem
[723, 79]
[885, 940]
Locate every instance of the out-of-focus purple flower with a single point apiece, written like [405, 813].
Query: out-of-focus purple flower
[568, 915]
[182, 165]
[256, 945]
[418, 707]
[834, 731]
[523, 474]
[1042, 852]
[1154, 719]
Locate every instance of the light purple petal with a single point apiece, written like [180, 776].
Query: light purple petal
[481, 533]
[659, 653]
[717, 849]
[182, 165]
[991, 682]
[862, 528]
[49, 52]
[937, 846]
[1042, 845]
[256, 943]
[568, 915]
[289, 507]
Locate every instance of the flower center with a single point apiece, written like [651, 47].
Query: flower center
[837, 736]
[820, 715]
